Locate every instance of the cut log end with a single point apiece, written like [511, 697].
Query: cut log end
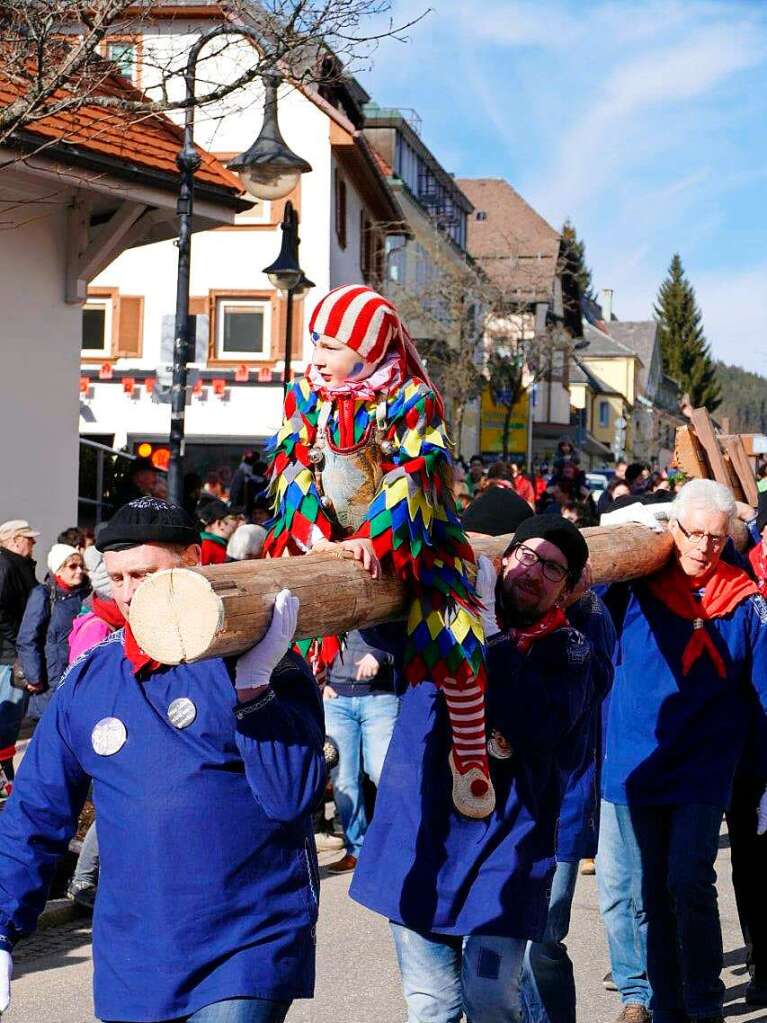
[175, 615]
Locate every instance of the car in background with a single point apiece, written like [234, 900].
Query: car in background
[597, 481]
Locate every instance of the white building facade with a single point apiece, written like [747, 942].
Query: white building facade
[236, 371]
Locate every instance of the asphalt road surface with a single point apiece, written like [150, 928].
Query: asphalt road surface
[357, 975]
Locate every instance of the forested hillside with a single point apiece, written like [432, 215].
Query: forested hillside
[744, 399]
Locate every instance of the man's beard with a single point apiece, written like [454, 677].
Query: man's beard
[515, 611]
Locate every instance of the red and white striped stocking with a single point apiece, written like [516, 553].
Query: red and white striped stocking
[466, 710]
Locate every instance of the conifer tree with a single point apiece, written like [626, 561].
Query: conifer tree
[577, 250]
[686, 355]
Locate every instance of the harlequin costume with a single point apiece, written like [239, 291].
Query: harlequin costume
[370, 458]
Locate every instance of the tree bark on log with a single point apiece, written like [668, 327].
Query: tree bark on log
[184, 615]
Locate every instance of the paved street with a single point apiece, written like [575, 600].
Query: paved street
[357, 977]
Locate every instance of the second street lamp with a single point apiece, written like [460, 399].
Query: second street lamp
[286, 275]
[269, 170]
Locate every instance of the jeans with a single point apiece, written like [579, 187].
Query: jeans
[361, 727]
[621, 906]
[239, 1010]
[13, 707]
[87, 869]
[443, 977]
[677, 848]
[548, 984]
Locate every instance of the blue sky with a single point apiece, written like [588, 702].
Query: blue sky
[644, 122]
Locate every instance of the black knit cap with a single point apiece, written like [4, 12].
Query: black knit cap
[563, 534]
[496, 511]
[147, 520]
[761, 511]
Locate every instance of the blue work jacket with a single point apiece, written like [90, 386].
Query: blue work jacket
[673, 738]
[427, 867]
[208, 884]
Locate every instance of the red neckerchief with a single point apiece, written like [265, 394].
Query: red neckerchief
[108, 611]
[525, 636]
[139, 660]
[62, 585]
[758, 561]
[725, 587]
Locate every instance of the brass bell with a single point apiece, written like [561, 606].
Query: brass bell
[387, 447]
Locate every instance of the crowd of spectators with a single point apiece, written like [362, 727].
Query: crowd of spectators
[45, 626]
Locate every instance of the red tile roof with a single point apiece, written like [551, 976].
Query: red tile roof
[383, 166]
[140, 141]
[512, 243]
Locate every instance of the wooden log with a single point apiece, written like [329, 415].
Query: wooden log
[690, 455]
[188, 614]
[733, 445]
[704, 429]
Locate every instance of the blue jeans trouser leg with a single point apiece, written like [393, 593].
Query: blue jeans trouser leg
[239, 1010]
[548, 983]
[361, 727]
[620, 904]
[87, 869]
[442, 977]
[13, 707]
[678, 845]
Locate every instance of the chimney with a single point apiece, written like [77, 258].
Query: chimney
[606, 302]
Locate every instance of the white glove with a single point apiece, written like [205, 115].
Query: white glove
[761, 815]
[6, 972]
[255, 666]
[486, 581]
[654, 516]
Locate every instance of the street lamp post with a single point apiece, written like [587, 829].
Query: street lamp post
[286, 275]
[269, 170]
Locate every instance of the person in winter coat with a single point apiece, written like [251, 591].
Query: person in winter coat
[17, 580]
[43, 641]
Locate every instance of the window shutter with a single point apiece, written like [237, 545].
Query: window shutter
[130, 328]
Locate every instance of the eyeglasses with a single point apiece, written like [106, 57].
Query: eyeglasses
[552, 570]
[699, 539]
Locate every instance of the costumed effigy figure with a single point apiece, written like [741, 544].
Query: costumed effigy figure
[362, 462]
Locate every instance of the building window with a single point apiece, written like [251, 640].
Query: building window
[97, 327]
[604, 413]
[243, 328]
[481, 215]
[340, 191]
[123, 55]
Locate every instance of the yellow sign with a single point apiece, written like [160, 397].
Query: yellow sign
[492, 418]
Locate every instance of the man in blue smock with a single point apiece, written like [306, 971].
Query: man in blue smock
[691, 672]
[204, 777]
[548, 982]
[465, 896]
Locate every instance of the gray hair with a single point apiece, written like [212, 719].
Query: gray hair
[246, 542]
[704, 494]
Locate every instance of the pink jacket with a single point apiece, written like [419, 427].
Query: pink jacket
[87, 631]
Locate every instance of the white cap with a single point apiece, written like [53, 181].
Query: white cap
[58, 554]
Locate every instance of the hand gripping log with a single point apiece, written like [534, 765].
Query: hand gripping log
[189, 614]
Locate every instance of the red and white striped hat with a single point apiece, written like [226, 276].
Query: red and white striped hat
[358, 317]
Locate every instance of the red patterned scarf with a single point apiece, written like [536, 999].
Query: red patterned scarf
[721, 591]
[525, 636]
